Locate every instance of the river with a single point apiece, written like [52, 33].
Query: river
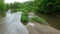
[11, 24]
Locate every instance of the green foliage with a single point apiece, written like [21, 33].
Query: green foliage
[2, 5]
[39, 20]
[45, 6]
[48, 6]
[29, 6]
[7, 6]
[2, 8]
[15, 5]
[37, 6]
[24, 18]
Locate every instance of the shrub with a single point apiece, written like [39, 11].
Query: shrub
[39, 20]
[24, 18]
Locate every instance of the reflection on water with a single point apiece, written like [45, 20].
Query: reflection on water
[2, 14]
[11, 24]
[52, 20]
[13, 11]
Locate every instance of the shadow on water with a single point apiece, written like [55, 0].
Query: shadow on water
[11, 24]
[52, 20]
[15, 10]
[2, 14]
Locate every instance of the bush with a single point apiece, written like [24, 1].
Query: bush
[39, 20]
[24, 18]
[47, 6]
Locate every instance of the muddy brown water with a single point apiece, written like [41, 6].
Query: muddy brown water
[52, 20]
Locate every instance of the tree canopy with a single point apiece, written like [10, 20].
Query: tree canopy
[2, 5]
[45, 6]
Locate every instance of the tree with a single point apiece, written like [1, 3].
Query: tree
[2, 8]
[2, 5]
[15, 5]
[47, 6]
[7, 6]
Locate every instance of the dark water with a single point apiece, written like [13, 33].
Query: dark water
[52, 20]
[11, 24]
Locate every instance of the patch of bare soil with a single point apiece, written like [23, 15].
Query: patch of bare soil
[42, 29]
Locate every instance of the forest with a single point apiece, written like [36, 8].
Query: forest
[45, 6]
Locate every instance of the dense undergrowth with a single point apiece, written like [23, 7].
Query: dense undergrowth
[24, 18]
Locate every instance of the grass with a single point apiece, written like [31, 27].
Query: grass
[39, 20]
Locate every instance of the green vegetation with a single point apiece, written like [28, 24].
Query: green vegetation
[24, 18]
[37, 6]
[43, 6]
[7, 6]
[2, 6]
[15, 5]
[39, 20]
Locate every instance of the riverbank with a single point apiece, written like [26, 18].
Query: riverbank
[42, 29]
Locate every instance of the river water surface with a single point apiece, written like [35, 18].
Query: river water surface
[11, 24]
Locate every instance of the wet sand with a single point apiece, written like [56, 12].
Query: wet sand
[42, 29]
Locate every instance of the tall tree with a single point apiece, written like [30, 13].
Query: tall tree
[2, 8]
[2, 5]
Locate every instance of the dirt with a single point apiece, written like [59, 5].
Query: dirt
[42, 29]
